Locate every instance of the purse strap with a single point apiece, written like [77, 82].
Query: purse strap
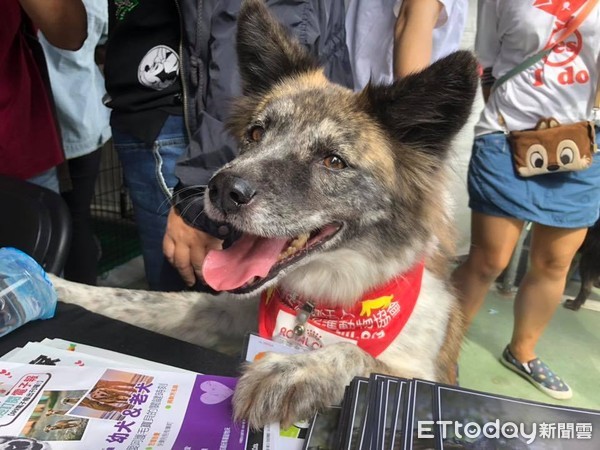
[597, 101]
[572, 25]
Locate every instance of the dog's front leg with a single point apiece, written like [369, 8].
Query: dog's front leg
[219, 322]
[287, 388]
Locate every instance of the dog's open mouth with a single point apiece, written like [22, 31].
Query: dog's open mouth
[253, 260]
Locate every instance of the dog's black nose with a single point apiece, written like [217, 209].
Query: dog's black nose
[228, 192]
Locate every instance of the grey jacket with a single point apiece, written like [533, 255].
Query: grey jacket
[210, 80]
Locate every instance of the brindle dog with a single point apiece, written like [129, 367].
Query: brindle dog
[335, 194]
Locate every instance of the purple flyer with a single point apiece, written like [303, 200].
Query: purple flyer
[208, 423]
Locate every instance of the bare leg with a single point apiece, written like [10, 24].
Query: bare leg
[493, 240]
[552, 250]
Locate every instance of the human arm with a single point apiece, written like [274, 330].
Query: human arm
[63, 22]
[487, 81]
[487, 43]
[413, 35]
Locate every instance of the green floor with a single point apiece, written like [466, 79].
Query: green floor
[570, 346]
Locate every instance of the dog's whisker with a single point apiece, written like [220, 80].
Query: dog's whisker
[189, 199]
[162, 207]
[196, 217]
[191, 188]
[189, 206]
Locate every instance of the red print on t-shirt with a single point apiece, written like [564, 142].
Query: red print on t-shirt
[565, 51]
[561, 9]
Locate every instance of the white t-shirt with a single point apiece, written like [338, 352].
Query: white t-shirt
[563, 86]
[78, 87]
[370, 36]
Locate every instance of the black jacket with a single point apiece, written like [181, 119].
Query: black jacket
[210, 80]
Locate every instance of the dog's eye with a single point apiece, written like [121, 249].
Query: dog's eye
[256, 133]
[334, 162]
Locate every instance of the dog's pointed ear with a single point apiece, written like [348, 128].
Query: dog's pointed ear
[425, 110]
[266, 52]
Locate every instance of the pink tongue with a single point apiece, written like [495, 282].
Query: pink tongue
[249, 257]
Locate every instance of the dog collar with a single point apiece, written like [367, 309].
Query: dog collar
[372, 323]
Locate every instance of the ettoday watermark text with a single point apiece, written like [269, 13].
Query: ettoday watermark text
[507, 430]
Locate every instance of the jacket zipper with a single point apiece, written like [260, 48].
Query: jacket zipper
[181, 75]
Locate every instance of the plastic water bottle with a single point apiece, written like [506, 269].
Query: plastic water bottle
[26, 293]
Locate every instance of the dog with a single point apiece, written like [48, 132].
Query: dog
[341, 200]
[589, 267]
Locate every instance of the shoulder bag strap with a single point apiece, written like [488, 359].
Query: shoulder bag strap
[597, 101]
[596, 107]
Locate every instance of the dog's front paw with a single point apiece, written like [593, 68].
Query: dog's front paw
[284, 388]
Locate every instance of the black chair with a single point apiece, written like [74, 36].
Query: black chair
[35, 220]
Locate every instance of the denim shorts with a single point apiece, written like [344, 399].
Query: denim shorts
[562, 200]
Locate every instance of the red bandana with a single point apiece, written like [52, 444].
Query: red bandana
[372, 323]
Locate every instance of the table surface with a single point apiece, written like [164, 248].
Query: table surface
[73, 323]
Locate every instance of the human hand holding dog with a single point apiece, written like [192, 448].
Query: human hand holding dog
[185, 247]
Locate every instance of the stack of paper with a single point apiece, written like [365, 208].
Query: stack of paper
[63, 395]
[388, 413]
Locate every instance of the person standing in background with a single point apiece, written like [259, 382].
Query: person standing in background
[144, 92]
[30, 146]
[78, 88]
[561, 85]
[388, 39]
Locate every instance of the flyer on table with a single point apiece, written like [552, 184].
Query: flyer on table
[54, 408]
